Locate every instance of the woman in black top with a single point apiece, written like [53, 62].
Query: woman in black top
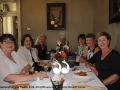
[107, 61]
[41, 47]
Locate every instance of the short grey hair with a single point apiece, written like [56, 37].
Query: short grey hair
[63, 37]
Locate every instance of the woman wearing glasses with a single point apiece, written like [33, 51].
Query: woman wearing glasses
[12, 67]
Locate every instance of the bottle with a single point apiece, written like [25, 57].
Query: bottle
[57, 48]
[69, 52]
[61, 47]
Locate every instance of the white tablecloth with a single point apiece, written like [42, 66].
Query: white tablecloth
[70, 78]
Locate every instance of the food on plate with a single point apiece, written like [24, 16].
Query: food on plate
[81, 73]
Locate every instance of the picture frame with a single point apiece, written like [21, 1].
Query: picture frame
[114, 11]
[56, 16]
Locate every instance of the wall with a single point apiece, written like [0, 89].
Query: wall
[101, 22]
[79, 19]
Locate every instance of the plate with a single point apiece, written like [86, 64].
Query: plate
[81, 73]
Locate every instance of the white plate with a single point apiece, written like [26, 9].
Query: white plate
[77, 71]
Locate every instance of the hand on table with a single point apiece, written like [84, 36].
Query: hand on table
[82, 60]
[40, 75]
[92, 67]
[49, 64]
[41, 64]
[45, 63]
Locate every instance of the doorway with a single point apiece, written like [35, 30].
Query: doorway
[10, 19]
[9, 24]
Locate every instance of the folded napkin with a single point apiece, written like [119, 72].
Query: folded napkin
[83, 86]
[36, 85]
[20, 86]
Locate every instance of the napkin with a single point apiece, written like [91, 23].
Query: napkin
[36, 85]
[83, 86]
[20, 86]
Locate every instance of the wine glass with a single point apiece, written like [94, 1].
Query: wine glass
[45, 68]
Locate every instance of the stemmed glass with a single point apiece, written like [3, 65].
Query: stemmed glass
[52, 58]
[45, 68]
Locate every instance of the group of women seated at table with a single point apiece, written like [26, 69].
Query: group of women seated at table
[102, 60]
[97, 55]
[14, 68]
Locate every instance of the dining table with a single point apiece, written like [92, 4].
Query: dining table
[70, 79]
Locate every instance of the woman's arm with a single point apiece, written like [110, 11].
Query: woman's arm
[115, 57]
[12, 78]
[37, 53]
[26, 69]
[23, 55]
[92, 67]
[83, 56]
[111, 79]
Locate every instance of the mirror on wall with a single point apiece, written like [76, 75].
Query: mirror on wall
[8, 7]
[9, 24]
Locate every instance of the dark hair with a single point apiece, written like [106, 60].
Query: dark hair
[6, 36]
[82, 36]
[23, 39]
[90, 35]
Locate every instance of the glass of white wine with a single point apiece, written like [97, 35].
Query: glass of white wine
[45, 68]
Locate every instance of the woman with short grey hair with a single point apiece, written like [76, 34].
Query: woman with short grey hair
[62, 42]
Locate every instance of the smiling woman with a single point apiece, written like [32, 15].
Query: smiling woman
[7, 43]
[26, 51]
[107, 60]
[12, 67]
[92, 47]
[41, 47]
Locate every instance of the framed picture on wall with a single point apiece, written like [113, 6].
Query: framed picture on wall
[114, 11]
[56, 17]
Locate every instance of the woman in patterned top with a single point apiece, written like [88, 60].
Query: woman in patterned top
[82, 47]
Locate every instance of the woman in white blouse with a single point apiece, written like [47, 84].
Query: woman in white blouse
[26, 51]
[12, 67]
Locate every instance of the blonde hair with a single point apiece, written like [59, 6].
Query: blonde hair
[107, 35]
[39, 37]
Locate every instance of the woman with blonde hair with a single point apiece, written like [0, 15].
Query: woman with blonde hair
[107, 61]
[41, 46]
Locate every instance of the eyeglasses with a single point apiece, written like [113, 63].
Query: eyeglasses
[8, 42]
